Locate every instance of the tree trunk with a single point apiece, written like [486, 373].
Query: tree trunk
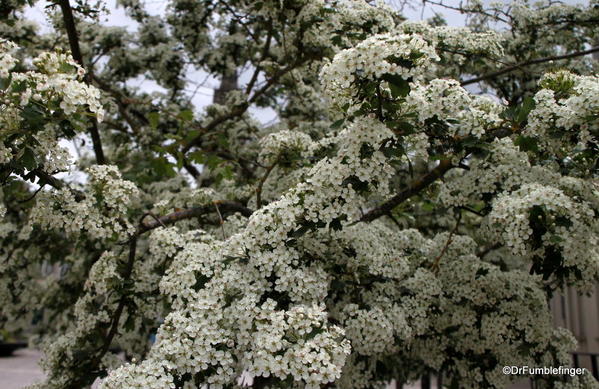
[227, 84]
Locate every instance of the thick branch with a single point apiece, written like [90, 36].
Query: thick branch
[416, 187]
[527, 63]
[69, 23]
[49, 179]
[225, 207]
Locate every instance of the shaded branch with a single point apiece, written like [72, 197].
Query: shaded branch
[121, 305]
[69, 24]
[416, 187]
[266, 48]
[54, 182]
[527, 63]
[226, 207]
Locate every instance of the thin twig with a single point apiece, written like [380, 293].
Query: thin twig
[463, 10]
[266, 48]
[395, 221]
[220, 217]
[435, 265]
[242, 108]
[472, 210]
[54, 182]
[261, 184]
[33, 195]
[151, 214]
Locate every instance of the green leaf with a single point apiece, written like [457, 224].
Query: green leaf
[300, 231]
[337, 124]
[191, 135]
[196, 156]
[337, 284]
[180, 159]
[19, 86]
[67, 128]
[227, 172]
[28, 159]
[508, 114]
[5, 82]
[66, 67]
[527, 143]
[186, 115]
[162, 167]
[33, 116]
[129, 323]
[336, 224]
[153, 119]
[481, 272]
[528, 104]
[212, 161]
[399, 87]
[222, 140]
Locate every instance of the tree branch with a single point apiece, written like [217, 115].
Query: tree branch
[143, 227]
[226, 207]
[266, 48]
[240, 109]
[69, 23]
[45, 178]
[421, 184]
[261, 184]
[526, 63]
[121, 305]
[435, 265]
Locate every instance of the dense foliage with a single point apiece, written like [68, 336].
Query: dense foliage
[388, 222]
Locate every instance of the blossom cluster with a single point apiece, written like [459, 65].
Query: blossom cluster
[101, 212]
[447, 102]
[286, 145]
[564, 118]
[560, 231]
[374, 57]
[41, 106]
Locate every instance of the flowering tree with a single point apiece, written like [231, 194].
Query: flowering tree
[388, 222]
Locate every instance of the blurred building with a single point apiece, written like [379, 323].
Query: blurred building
[579, 314]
